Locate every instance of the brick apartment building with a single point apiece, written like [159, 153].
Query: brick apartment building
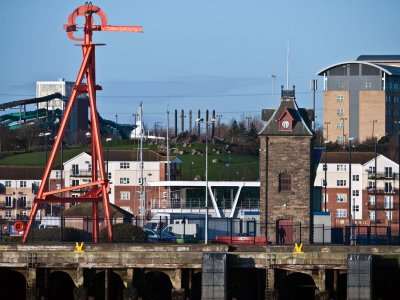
[361, 98]
[19, 184]
[17, 190]
[374, 190]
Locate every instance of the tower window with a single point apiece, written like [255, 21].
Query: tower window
[285, 182]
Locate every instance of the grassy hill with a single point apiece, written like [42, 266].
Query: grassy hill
[229, 164]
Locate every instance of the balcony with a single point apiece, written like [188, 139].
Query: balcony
[383, 206]
[382, 175]
[393, 191]
[82, 173]
[4, 205]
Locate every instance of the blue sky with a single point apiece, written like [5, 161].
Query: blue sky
[209, 54]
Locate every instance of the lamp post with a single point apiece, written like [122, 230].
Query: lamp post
[373, 127]
[201, 120]
[45, 135]
[343, 136]
[326, 173]
[351, 204]
[107, 140]
[375, 189]
[327, 130]
[273, 76]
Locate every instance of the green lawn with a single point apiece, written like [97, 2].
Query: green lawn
[229, 166]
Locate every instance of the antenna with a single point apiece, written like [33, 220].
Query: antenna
[287, 65]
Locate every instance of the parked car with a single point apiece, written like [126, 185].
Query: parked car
[155, 236]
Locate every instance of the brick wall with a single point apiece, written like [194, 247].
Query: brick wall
[291, 154]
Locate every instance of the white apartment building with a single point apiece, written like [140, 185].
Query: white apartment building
[125, 175]
[374, 195]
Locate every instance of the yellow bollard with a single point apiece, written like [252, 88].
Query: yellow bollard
[298, 248]
[79, 248]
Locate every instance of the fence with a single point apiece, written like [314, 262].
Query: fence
[192, 229]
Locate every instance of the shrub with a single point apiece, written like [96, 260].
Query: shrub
[67, 234]
[125, 233]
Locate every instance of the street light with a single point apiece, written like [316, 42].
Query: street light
[325, 180]
[273, 76]
[201, 120]
[343, 136]
[327, 128]
[373, 127]
[107, 140]
[351, 204]
[45, 135]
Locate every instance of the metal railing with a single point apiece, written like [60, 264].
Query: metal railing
[192, 230]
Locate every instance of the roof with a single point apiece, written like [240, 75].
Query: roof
[288, 104]
[85, 209]
[379, 58]
[343, 157]
[390, 70]
[21, 173]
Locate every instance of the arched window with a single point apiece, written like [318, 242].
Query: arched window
[285, 182]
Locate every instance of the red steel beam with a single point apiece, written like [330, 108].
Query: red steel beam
[96, 191]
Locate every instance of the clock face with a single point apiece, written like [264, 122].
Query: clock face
[285, 124]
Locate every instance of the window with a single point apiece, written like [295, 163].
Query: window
[124, 180]
[356, 177]
[22, 183]
[339, 125]
[340, 112]
[341, 197]
[323, 198]
[339, 99]
[388, 172]
[58, 186]
[8, 183]
[9, 201]
[75, 182]
[23, 213]
[109, 175]
[388, 202]
[388, 187]
[340, 138]
[58, 174]
[8, 214]
[356, 208]
[368, 84]
[124, 165]
[372, 200]
[341, 213]
[389, 215]
[285, 182]
[340, 85]
[125, 195]
[341, 167]
[341, 182]
[140, 180]
[356, 193]
[371, 170]
[75, 170]
[22, 201]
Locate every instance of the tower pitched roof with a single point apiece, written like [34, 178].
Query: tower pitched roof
[301, 126]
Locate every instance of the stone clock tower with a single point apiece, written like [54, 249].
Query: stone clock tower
[286, 145]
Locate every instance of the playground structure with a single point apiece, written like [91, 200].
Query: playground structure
[98, 189]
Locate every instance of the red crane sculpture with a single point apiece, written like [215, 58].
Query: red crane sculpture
[97, 190]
